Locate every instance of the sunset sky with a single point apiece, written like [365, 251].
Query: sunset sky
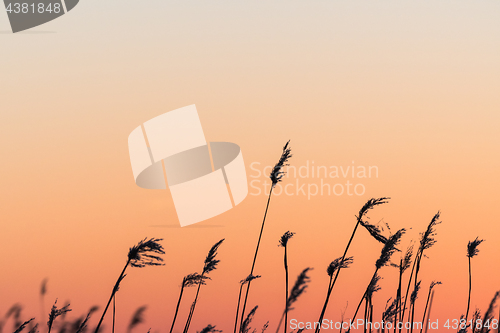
[409, 88]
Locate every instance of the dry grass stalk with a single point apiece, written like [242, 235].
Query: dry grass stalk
[276, 176]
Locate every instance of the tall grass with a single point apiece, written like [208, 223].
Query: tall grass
[137, 318]
[431, 287]
[472, 251]
[146, 253]
[55, 312]
[297, 290]
[283, 243]
[187, 281]
[209, 265]
[373, 230]
[427, 240]
[242, 283]
[385, 255]
[276, 176]
[403, 265]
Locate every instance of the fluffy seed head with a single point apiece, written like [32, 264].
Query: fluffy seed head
[277, 173]
[146, 252]
[472, 249]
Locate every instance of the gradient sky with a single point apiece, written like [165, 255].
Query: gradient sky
[411, 88]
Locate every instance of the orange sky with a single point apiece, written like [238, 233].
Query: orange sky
[409, 88]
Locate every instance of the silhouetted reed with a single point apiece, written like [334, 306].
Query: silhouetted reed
[245, 327]
[413, 298]
[488, 315]
[145, 253]
[426, 241]
[373, 230]
[433, 284]
[472, 251]
[23, 325]
[385, 255]
[276, 176]
[403, 265]
[209, 329]
[80, 326]
[188, 281]
[242, 283]
[283, 243]
[137, 318]
[55, 312]
[210, 264]
[297, 290]
[390, 312]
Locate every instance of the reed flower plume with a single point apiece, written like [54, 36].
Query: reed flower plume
[55, 312]
[209, 329]
[209, 265]
[373, 286]
[389, 248]
[475, 317]
[137, 318]
[82, 325]
[427, 239]
[23, 325]
[297, 290]
[373, 230]
[276, 176]
[277, 173]
[146, 253]
[338, 264]
[188, 281]
[472, 251]
[488, 315]
[414, 293]
[390, 310]
[210, 261]
[245, 327]
[284, 238]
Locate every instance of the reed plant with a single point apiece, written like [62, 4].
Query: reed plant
[137, 318]
[427, 240]
[55, 312]
[209, 265]
[242, 283]
[298, 289]
[472, 251]
[403, 265]
[372, 229]
[431, 287]
[283, 243]
[146, 253]
[385, 255]
[188, 281]
[276, 176]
